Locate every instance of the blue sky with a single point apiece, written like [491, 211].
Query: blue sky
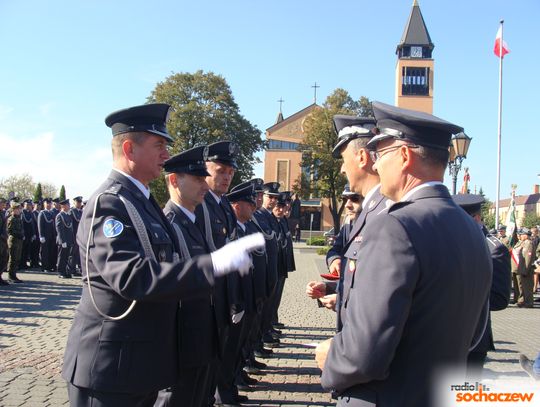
[67, 64]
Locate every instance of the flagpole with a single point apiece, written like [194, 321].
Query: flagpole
[499, 130]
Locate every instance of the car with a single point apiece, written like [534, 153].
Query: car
[329, 237]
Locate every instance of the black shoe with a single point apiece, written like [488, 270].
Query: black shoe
[271, 343]
[251, 370]
[15, 280]
[245, 379]
[243, 387]
[240, 398]
[227, 405]
[3, 282]
[278, 325]
[257, 364]
[64, 275]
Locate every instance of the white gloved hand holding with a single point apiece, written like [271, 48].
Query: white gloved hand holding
[235, 255]
[64, 245]
[236, 318]
[42, 239]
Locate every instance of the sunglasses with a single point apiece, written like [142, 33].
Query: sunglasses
[353, 198]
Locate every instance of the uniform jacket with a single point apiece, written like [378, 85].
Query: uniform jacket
[247, 282]
[289, 251]
[336, 251]
[28, 225]
[75, 214]
[15, 227]
[227, 293]
[64, 229]
[501, 286]
[197, 329]
[259, 259]
[46, 224]
[523, 257]
[263, 220]
[3, 225]
[421, 280]
[138, 353]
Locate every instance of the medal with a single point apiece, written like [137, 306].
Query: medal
[352, 266]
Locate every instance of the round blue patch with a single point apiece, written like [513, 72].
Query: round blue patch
[112, 228]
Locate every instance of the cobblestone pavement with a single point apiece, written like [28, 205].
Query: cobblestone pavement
[35, 318]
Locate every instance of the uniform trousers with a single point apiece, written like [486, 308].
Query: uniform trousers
[523, 288]
[62, 263]
[226, 390]
[191, 390]
[45, 255]
[34, 253]
[277, 298]
[15, 249]
[4, 255]
[82, 397]
[25, 253]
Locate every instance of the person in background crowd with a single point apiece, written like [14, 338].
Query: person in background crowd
[75, 213]
[15, 240]
[523, 257]
[30, 233]
[4, 251]
[505, 240]
[65, 239]
[46, 236]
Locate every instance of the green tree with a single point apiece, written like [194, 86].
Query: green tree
[530, 219]
[204, 111]
[49, 190]
[62, 195]
[325, 178]
[38, 193]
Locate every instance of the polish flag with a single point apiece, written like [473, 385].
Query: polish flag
[497, 49]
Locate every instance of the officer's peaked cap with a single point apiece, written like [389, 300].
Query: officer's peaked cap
[223, 152]
[417, 127]
[242, 192]
[150, 118]
[192, 161]
[471, 203]
[349, 128]
[258, 184]
[271, 188]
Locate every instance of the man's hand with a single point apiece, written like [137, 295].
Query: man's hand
[316, 289]
[335, 267]
[321, 351]
[329, 301]
[42, 240]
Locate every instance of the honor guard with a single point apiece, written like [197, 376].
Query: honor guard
[389, 348]
[65, 239]
[35, 246]
[122, 347]
[4, 252]
[523, 257]
[47, 238]
[29, 233]
[197, 330]
[501, 284]
[75, 213]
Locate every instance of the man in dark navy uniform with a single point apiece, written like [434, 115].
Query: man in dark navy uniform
[46, 236]
[122, 347]
[410, 313]
[218, 222]
[4, 252]
[34, 247]
[197, 330]
[65, 238]
[75, 213]
[501, 283]
[354, 133]
[30, 233]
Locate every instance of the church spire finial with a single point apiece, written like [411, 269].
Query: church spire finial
[415, 3]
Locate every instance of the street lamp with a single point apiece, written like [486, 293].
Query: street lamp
[458, 151]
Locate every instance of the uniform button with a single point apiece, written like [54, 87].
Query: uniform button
[354, 253]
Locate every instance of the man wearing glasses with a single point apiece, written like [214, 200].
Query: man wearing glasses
[422, 275]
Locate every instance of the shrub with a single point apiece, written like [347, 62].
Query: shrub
[323, 250]
[316, 241]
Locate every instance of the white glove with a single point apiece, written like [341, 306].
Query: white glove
[236, 318]
[42, 239]
[64, 245]
[235, 255]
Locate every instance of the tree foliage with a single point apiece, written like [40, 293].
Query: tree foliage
[530, 219]
[204, 111]
[62, 195]
[24, 186]
[38, 193]
[319, 140]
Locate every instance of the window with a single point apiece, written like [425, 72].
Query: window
[281, 145]
[415, 81]
[282, 168]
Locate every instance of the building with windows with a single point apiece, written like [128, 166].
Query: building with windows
[414, 90]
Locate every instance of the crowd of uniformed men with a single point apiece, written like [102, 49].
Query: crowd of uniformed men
[39, 235]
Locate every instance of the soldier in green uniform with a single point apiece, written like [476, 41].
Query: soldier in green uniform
[505, 240]
[523, 257]
[15, 241]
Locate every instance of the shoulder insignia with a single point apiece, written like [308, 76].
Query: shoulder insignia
[114, 189]
[112, 228]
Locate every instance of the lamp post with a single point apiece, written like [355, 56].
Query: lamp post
[458, 151]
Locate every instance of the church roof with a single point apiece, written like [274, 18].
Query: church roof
[416, 32]
[303, 112]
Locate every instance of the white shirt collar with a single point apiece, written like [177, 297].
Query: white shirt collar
[188, 213]
[368, 196]
[241, 225]
[408, 195]
[145, 191]
[217, 198]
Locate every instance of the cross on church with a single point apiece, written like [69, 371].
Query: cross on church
[280, 104]
[315, 91]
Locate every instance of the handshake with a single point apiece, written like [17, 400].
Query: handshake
[235, 255]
